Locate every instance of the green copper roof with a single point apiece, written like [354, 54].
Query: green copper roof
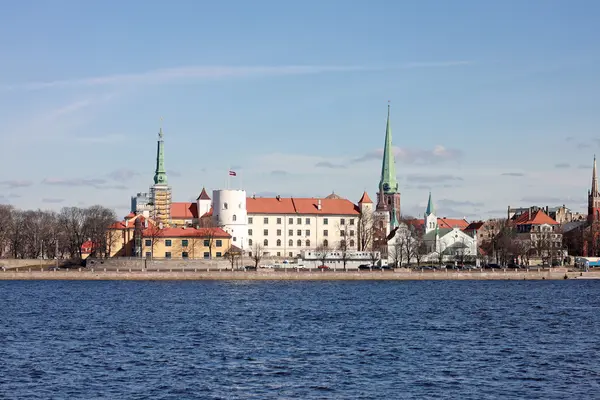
[388, 183]
[160, 175]
[430, 208]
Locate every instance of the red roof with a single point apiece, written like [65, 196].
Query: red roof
[184, 210]
[128, 223]
[443, 223]
[365, 198]
[186, 232]
[474, 226]
[290, 205]
[88, 246]
[203, 195]
[537, 218]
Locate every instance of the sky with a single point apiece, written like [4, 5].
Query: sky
[492, 103]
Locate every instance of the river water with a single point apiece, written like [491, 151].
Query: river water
[300, 340]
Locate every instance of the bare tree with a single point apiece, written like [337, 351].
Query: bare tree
[97, 219]
[398, 253]
[322, 251]
[420, 249]
[232, 254]
[257, 254]
[153, 232]
[5, 227]
[208, 232]
[365, 231]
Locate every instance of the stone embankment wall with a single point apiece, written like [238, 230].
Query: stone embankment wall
[19, 263]
[100, 274]
[112, 264]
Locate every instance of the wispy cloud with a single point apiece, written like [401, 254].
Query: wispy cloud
[187, 73]
[328, 164]
[13, 184]
[108, 139]
[97, 183]
[279, 173]
[515, 174]
[415, 156]
[562, 165]
[432, 178]
[123, 174]
[52, 200]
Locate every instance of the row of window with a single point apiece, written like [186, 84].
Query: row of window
[299, 221]
[298, 243]
[185, 254]
[299, 232]
[185, 243]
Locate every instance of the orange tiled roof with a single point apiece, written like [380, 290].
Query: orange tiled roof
[87, 246]
[209, 213]
[443, 223]
[473, 226]
[290, 205]
[537, 218]
[365, 198]
[186, 232]
[184, 210]
[128, 223]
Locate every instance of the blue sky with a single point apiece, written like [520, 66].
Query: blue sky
[493, 103]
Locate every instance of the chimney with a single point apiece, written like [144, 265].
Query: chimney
[319, 204]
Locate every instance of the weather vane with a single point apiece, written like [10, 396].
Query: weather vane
[160, 132]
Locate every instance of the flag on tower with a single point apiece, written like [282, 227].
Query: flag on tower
[232, 173]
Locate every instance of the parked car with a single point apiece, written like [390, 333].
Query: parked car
[250, 268]
[364, 267]
[323, 267]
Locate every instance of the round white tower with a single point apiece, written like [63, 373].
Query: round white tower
[229, 212]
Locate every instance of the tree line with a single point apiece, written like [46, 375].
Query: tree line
[48, 234]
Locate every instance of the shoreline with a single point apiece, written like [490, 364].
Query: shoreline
[295, 276]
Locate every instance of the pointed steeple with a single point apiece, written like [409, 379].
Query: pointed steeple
[430, 208]
[595, 180]
[365, 198]
[203, 195]
[388, 183]
[160, 175]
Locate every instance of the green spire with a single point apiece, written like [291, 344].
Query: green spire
[430, 208]
[388, 183]
[160, 175]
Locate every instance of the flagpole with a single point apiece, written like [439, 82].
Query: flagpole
[228, 177]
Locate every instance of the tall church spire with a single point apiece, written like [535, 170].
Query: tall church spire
[160, 175]
[430, 208]
[388, 183]
[595, 180]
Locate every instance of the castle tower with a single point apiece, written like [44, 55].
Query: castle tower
[203, 203]
[229, 213]
[594, 197]
[160, 192]
[388, 198]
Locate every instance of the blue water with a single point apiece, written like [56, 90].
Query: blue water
[300, 340]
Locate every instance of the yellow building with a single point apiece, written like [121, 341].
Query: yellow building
[185, 243]
[137, 236]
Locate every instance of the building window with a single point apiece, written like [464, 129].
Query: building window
[342, 233]
[278, 254]
[219, 243]
[278, 221]
[224, 206]
[325, 232]
[278, 232]
[325, 243]
[219, 254]
[250, 242]
[249, 220]
[234, 218]
[291, 232]
[325, 221]
[265, 232]
[299, 243]
[148, 242]
[265, 242]
[278, 242]
[168, 242]
[342, 243]
[307, 243]
[290, 254]
[206, 254]
[265, 220]
[352, 243]
[342, 221]
[299, 232]
[206, 242]
[167, 254]
[352, 221]
[290, 242]
[234, 238]
[291, 221]
[249, 232]
[351, 233]
[299, 221]
[308, 232]
[307, 221]
[184, 255]
[148, 254]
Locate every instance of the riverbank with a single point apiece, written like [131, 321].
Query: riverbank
[85, 274]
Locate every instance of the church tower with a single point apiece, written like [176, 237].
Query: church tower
[388, 197]
[594, 198]
[160, 192]
[430, 219]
